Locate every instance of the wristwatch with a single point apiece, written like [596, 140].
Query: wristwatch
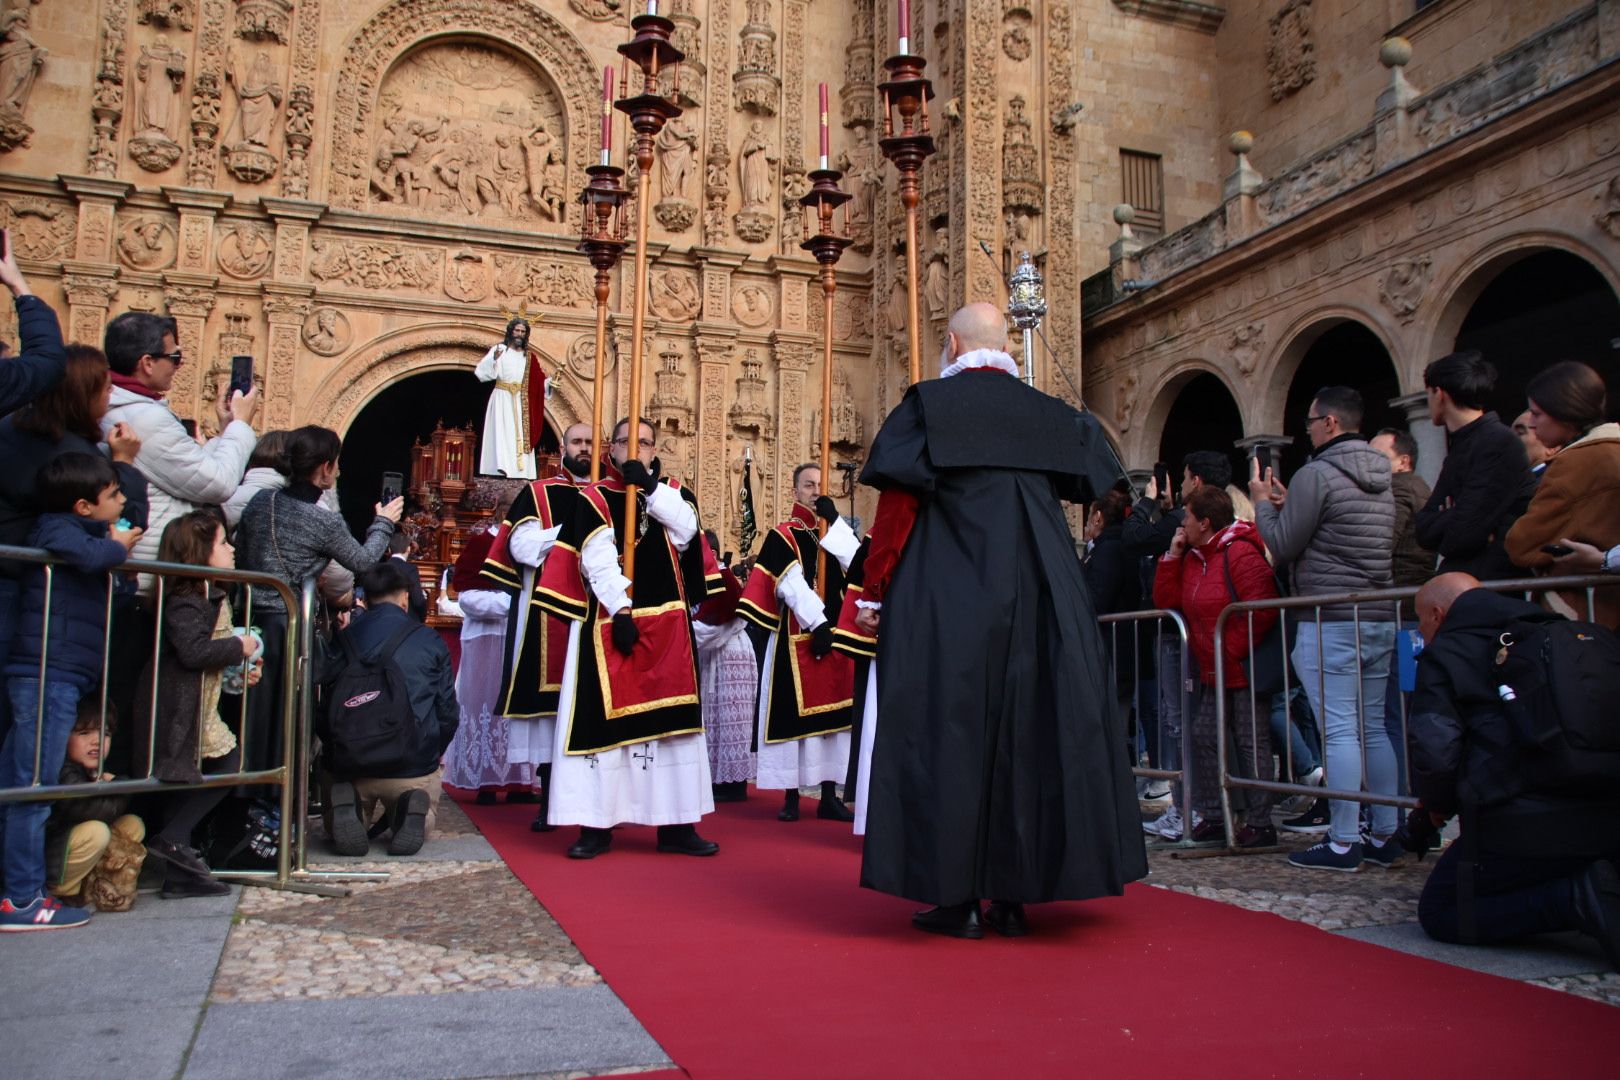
[1607, 566]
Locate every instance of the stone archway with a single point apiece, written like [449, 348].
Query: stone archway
[1168, 399]
[406, 25]
[1339, 350]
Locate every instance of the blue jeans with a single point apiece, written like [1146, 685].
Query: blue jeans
[24, 823]
[1514, 897]
[9, 603]
[1329, 672]
[1394, 706]
[1291, 719]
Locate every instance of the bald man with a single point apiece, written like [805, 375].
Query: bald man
[999, 766]
[1533, 858]
[531, 678]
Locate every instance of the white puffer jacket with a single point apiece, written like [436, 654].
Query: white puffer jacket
[180, 474]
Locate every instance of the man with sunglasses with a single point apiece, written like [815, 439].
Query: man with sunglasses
[144, 354]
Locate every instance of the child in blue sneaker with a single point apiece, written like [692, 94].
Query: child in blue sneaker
[82, 500]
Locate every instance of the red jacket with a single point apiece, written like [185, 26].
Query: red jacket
[1196, 586]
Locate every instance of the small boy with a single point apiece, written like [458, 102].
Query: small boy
[80, 501]
[93, 849]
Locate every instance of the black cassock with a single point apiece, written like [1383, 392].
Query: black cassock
[1000, 767]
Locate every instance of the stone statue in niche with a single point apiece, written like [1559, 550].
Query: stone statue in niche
[147, 243]
[545, 168]
[677, 150]
[937, 279]
[865, 171]
[848, 432]
[755, 172]
[258, 99]
[20, 62]
[898, 309]
[795, 185]
[161, 72]
[511, 171]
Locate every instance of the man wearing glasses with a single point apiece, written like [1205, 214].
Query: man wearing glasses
[629, 746]
[144, 355]
[1335, 530]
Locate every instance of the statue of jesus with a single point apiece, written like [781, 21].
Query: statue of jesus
[515, 416]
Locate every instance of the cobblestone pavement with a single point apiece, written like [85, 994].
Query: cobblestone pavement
[446, 927]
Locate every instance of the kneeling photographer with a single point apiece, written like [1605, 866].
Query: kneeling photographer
[1512, 727]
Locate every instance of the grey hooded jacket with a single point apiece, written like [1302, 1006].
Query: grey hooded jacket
[1336, 531]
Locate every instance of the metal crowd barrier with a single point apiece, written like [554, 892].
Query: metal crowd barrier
[291, 776]
[1182, 683]
[1357, 602]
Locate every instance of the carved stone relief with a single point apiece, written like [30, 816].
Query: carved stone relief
[670, 408]
[470, 131]
[750, 413]
[245, 250]
[300, 121]
[1608, 213]
[937, 276]
[756, 81]
[598, 10]
[677, 153]
[684, 81]
[257, 84]
[1125, 400]
[326, 332]
[1402, 287]
[751, 305]
[542, 281]
[147, 243]
[160, 74]
[207, 96]
[582, 356]
[264, 20]
[717, 156]
[21, 59]
[673, 295]
[40, 229]
[862, 166]
[466, 276]
[106, 101]
[1016, 40]
[1021, 186]
[756, 174]
[1245, 344]
[1290, 53]
[858, 94]
[176, 13]
[848, 430]
[364, 264]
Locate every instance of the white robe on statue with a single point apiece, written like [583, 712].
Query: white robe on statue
[658, 782]
[529, 738]
[500, 453]
[810, 761]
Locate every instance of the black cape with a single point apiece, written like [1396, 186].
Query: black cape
[1000, 768]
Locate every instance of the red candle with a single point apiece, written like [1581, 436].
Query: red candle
[825, 150]
[905, 27]
[607, 114]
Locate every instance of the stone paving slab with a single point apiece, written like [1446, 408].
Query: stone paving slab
[1544, 957]
[136, 1041]
[497, 1033]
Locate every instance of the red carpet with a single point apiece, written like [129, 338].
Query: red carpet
[768, 961]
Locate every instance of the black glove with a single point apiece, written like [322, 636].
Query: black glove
[827, 510]
[625, 634]
[638, 474]
[1417, 833]
[821, 640]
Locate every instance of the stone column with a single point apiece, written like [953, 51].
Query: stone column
[1430, 437]
[794, 275]
[286, 306]
[1251, 443]
[197, 209]
[98, 203]
[293, 218]
[188, 298]
[90, 289]
[792, 353]
[714, 349]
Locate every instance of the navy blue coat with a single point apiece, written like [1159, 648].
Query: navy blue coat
[40, 359]
[78, 600]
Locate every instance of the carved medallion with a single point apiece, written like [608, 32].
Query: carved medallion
[326, 331]
[39, 229]
[245, 250]
[1403, 284]
[1290, 53]
[1244, 344]
[751, 305]
[467, 277]
[673, 295]
[598, 10]
[582, 356]
[147, 243]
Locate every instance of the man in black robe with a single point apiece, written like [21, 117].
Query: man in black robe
[1000, 769]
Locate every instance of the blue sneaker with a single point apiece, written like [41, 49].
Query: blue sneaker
[1323, 857]
[1384, 855]
[45, 913]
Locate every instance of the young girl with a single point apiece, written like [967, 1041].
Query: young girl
[199, 644]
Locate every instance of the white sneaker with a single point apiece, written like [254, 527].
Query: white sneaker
[1313, 778]
[1168, 826]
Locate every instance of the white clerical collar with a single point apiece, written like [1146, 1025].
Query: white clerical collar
[981, 358]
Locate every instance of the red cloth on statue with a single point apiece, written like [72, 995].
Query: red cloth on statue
[468, 573]
[536, 405]
[891, 527]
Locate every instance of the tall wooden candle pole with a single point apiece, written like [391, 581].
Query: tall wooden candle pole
[907, 92]
[648, 111]
[824, 196]
[602, 241]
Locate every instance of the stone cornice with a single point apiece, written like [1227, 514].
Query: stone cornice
[1205, 18]
[184, 198]
[96, 187]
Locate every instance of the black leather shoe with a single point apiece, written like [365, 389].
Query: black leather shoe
[955, 920]
[833, 809]
[1006, 919]
[591, 843]
[731, 791]
[684, 840]
[522, 796]
[539, 824]
[790, 807]
[179, 884]
[1597, 906]
[485, 797]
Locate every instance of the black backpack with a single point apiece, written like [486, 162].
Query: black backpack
[1559, 681]
[371, 727]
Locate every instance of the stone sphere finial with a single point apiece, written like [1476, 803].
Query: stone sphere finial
[1395, 52]
[1124, 214]
[1240, 142]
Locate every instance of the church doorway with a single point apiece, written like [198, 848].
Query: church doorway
[1547, 307]
[381, 436]
[1204, 416]
[1345, 354]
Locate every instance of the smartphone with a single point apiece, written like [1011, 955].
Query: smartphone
[241, 375]
[1161, 477]
[725, 560]
[393, 486]
[190, 426]
[1557, 550]
[1262, 454]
